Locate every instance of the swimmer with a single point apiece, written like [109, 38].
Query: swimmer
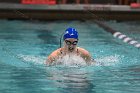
[70, 39]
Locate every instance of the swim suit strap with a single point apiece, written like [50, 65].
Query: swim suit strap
[61, 51]
[77, 51]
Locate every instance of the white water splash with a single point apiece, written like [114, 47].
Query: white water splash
[107, 61]
[32, 59]
[71, 60]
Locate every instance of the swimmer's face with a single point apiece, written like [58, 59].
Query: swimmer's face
[70, 44]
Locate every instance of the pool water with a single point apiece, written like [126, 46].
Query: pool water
[25, 45]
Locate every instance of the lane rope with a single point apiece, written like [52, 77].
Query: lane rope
[118, 35]
[115, 33]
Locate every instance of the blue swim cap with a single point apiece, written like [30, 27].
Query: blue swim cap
[70, 33]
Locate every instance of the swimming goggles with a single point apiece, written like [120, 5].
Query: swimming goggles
[69, 42]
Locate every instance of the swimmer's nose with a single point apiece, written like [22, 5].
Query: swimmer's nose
[71, 46]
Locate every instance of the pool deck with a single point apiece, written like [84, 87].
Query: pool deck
[68, 12]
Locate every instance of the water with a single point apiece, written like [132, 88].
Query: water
[25, 45]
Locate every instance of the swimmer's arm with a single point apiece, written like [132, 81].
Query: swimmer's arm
[50, 60]
[52, 57]
[88, 58]
[86, 55]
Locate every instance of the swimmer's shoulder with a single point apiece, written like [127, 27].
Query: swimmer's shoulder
[85, 54]
[55, 53]
[83, 51]
[53, 56]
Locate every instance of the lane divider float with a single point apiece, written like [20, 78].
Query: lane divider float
[118, 35]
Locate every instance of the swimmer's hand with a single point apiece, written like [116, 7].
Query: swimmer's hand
[49, 61]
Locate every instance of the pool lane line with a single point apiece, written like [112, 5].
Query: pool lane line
[118, 35]
[115, 33]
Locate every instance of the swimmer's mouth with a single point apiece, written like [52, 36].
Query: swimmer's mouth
[71, 49]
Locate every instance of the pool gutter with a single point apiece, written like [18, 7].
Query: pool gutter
[68, 12]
